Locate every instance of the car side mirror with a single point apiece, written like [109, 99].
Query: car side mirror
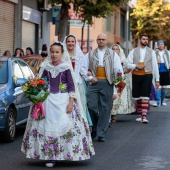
[20, 81]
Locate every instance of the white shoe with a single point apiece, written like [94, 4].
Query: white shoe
[139, 119]
[50, 164]
[164, 104]
[145, 121]
[155, 105]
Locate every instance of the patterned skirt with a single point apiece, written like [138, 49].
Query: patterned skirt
[59, 136]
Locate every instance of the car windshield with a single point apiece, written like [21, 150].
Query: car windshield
[3, 72]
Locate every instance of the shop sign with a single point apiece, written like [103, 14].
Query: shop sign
[75, 17]
[31, 15]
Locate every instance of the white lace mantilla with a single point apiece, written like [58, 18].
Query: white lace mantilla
[55, 70]
[78, 56]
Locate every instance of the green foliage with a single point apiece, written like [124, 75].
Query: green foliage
[96, 10]
[40, 97]
[151, 17]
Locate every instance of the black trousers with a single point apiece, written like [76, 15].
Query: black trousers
[141, 86]
[99, 102]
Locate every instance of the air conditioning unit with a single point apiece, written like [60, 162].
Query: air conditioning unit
[43, 5]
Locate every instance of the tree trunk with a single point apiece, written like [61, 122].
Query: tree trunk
[82, 34]
[63, 21]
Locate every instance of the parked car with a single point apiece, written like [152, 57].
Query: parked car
[14, 106]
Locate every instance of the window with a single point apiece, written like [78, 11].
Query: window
[25, 69]
[3, 72]
[16, 70]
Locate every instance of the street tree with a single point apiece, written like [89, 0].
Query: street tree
[89, 9]
[151, 17]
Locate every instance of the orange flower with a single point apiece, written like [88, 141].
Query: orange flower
[34, 83]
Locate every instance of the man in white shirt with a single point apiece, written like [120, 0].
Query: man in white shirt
[163, 60]
[102, 62]
[142, 61]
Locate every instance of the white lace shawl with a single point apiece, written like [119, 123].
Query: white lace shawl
[55, 70]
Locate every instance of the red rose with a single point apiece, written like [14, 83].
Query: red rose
[41, 82]
[119, 74]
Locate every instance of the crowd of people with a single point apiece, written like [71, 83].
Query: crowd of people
[19, 52]
[91, 99]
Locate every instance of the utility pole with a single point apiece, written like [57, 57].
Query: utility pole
[127, 30]
[88, 37]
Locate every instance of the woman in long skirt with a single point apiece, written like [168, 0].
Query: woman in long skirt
[123, 104]
[64, 132]
[76, 55]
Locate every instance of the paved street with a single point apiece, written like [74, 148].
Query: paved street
[129, 145]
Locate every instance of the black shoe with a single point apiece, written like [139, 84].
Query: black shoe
[110, 124]
[101, 139]
[93, 134]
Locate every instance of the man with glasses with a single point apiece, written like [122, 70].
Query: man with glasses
[102, 62]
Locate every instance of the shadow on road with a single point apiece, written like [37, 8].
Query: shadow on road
[61, 164]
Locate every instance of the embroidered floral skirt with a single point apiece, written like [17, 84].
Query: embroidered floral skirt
[124, 104]
[59, 136]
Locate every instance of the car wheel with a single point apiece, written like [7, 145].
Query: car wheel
[10, 126]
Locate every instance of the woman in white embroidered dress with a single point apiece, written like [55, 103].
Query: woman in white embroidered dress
[123, 104]
[71, 44]
[64, 132]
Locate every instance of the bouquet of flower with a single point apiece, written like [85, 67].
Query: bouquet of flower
[119, 82]
[36, 90]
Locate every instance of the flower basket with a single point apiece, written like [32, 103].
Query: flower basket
[120, 87]
[119, 82]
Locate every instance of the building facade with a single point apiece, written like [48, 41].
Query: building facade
[23, 24]
[29, 23]
[7, 29]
